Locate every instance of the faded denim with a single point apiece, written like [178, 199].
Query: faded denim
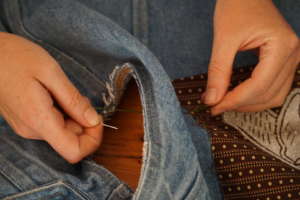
[99, 43]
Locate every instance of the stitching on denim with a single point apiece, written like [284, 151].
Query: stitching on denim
[29, 157]
[107, 172]
[35, 38]
[78, 192]
[10, 179]
[32, 191]
[191, 186]
[45, 187]
[115, 87]
[146, 145]
[109, 97]
[140, 20]
[118, 193]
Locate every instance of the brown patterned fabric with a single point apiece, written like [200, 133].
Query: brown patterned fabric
[245, 168]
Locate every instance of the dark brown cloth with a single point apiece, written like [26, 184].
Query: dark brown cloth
[245, 168]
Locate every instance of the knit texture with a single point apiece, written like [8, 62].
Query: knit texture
[245, 169]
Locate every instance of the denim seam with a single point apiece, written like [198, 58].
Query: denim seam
[187, 194]
[29, 157]
[146, 145]
[15, 174]
[140, 20]
[51, 184]
[107, 172]
[16, 7]
[115, 86]
[44, 187]
[10, 179]
[78, 192]
[108, 175]
[113, 192]
[35, 38]
[46, 168]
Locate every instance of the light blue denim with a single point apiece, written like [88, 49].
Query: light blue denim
[97, 42]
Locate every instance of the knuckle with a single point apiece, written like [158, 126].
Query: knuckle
[265, 99]
[22, 131]
[261, 87]
[42, 73]
[78, 154]
[262, 91]
[95, 145]
[74, 158]
[19, 129]
[28, 137]
[76, 99]
[217, 75]
[215, 68]
[278, 102]
[293, 42]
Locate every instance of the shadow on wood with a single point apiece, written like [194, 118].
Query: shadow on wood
[121, 150]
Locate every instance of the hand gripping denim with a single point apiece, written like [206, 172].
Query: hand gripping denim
[92, 42]
[99, 57]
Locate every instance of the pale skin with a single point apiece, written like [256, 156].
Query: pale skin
[244, 25]
[28, 75]
[31, 80]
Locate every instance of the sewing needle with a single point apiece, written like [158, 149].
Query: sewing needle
[109, 126]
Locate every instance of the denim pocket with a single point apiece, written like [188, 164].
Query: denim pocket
[54, 191]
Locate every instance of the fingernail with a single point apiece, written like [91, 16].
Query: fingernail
[92, 116]
[210, 96]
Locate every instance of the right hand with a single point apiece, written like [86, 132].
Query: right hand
[30, 80]
[251, 25]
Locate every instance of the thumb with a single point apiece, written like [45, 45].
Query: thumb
[69, 98]
[219, 72]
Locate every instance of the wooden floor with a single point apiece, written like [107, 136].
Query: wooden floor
[121, 150]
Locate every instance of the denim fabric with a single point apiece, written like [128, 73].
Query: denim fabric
[32, 170]
[2, 27]
[96, 43]
[291, 11]
[92, 51]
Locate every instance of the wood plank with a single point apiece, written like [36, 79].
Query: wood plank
[121, 150]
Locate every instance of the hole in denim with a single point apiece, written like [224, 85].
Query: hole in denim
[122, 150]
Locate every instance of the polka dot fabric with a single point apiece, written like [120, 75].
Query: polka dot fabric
[245, 171]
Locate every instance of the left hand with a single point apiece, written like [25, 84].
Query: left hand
[246, 25]
[30, 82]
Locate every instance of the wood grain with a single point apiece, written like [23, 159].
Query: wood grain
[121, 150]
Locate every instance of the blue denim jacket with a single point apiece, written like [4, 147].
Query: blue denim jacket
[101, 43]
